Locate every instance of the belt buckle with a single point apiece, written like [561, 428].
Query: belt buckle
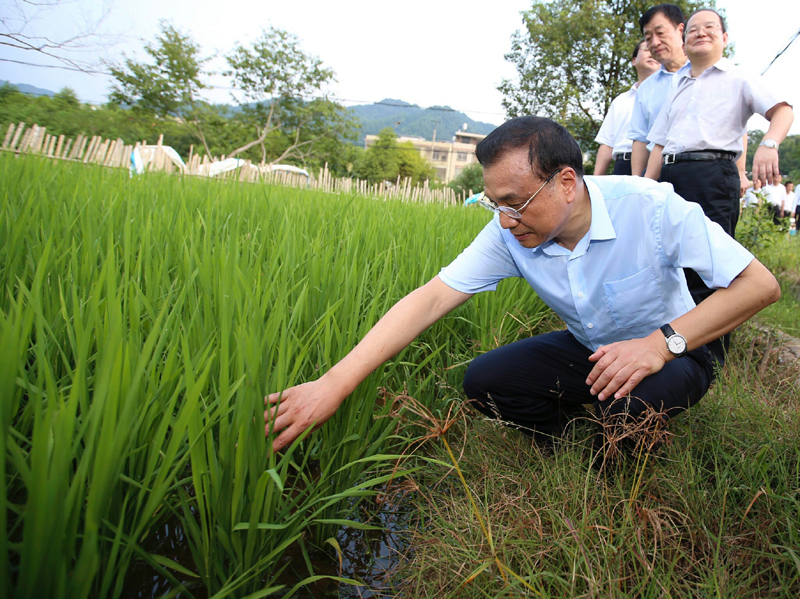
[669, 159]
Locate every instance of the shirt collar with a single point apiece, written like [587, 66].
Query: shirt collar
[723, 64]
[686, 67]
[601, 228]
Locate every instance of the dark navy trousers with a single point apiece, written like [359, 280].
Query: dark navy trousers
[539, 384]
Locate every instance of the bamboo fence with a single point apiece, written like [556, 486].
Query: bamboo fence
[22, 139]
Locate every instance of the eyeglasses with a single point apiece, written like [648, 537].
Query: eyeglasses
[490, 204]
[708, 29]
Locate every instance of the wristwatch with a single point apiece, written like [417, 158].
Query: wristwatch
[676, 343]
[769, 143]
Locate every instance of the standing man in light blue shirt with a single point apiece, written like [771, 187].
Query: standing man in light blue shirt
[662, 29]
[606, 254]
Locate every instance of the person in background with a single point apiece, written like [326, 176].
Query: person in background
[791, 201]
[698, 135]
[776, 197]
[613, 134]
[662, 28]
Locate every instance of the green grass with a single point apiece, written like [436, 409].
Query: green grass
[143, 320]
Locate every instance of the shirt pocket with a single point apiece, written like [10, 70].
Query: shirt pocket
[635, 301]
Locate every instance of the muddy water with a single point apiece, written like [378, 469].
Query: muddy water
[367, 555]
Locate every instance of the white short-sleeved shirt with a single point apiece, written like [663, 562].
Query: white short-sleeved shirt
[710, 112]
[649, 100]
[624, 279]
[614, 130]
[776, 194]
[791, 201]
[750, 197]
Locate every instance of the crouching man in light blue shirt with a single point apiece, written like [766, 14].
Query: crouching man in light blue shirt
[606, 254]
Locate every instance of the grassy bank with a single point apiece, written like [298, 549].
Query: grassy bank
[713, 512]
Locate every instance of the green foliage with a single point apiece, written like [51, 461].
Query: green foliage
[470, 179]
[756, 229]
[167, 87]
[386, 159]
[143, 320]
[573, 59]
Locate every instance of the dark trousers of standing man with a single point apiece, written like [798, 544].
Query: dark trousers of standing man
[622, 164]
[714, 184]
[539, 384]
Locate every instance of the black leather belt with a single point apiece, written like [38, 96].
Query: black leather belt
[623, 156]
[704, 155]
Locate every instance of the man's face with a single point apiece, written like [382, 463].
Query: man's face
[644, 63]
[663, 39]
[510, 182]
[789, 187]
[704, 37]
[778, 178]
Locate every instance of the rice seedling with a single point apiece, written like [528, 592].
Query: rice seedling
[143, 321]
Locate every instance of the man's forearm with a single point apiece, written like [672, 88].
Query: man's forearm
[639, 157]
[394, 332]
[603, 159]
[754, 289]
[654, 163]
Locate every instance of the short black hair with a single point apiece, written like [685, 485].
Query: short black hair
[721, 18]
[636, 49]
[550, 146]
[672, 13]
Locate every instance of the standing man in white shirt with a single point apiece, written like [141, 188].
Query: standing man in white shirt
[791, 202]
[613, 134]
[777, 199]
[662, 28]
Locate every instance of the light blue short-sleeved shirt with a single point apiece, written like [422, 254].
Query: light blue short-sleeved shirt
[624, 279]
[650, 98]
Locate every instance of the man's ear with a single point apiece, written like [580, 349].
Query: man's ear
[568, 180]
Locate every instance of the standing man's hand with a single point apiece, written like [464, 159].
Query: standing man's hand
[300, 408]
[765, 166]
[744, 183]
[620, 366]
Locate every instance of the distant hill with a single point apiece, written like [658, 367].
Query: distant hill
[406, 119]
[29, 89]
[410, 119]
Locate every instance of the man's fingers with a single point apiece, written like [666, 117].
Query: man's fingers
[286, 437]
[273, 397]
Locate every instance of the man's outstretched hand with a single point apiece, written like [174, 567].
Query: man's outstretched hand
[620, 366]
[301, 407]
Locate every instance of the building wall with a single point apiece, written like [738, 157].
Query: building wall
[448, 158]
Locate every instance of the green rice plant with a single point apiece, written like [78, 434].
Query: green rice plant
[143, 322]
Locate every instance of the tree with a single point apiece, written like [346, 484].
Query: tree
[380, 161]
[470, 179]
[573, 59]
[170, 86]
[283, 97]
[21, 30]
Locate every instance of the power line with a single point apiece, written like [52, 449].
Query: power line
[791, 41]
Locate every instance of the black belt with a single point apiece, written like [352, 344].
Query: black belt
[623, 156]
[704, 155]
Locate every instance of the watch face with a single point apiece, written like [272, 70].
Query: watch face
[676, 344]
[769, 143]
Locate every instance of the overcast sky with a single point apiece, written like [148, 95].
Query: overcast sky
[427, 52]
